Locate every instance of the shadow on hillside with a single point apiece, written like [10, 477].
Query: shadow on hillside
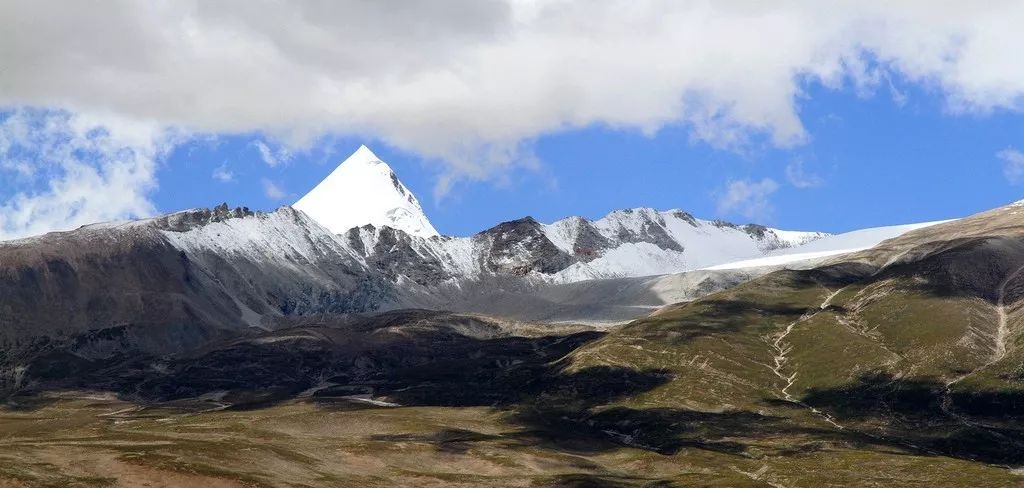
[440, 363]
[731, 312]
[27, 403]
[961, 268]
[408, 367]
[577, 413]
[468, 387]
[547, 403]
[584, 481]
[665, 431]
[708, 317]
[976, 425]
[718, 317]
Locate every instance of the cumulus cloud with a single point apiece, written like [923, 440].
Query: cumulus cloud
[1013, 165]
[471, 82]
[748, 198]
[61, 170]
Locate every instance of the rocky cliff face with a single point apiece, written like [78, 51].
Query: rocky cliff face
[519, 248]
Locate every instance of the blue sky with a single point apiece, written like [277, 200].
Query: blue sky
[830, 115]
[870, 161]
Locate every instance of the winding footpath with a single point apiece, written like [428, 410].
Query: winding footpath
[1001, 332]
[1002, 329]
[998, 353]
[781, 349]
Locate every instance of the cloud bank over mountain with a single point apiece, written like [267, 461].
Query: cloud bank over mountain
[470, 83]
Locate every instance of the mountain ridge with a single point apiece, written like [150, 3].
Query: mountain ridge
[172, 282]
[498, 349]
[905, 357]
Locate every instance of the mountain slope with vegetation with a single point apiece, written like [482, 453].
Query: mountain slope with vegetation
[895, 366]
[913, 346]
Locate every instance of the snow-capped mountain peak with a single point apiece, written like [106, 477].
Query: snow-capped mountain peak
[645, 241]
[364, 190]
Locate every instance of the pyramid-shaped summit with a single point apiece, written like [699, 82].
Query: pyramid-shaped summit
[364, 190]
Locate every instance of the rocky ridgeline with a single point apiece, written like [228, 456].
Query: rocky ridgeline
[190, 219]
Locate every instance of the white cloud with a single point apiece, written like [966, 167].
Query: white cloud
[74, 170]
[272, 157]
[273, 191]
[19, 169]
[748, 199]
[1013, 165]
[799, 177]
[472, 82]
[899, 97]
[223, 174]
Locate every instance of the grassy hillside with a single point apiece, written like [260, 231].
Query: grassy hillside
[898, 366]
